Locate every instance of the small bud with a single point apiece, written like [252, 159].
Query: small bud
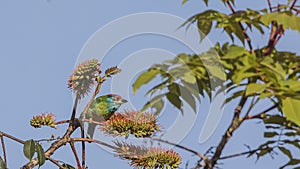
[83, 77]
[43, 120]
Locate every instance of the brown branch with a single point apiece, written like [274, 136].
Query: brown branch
[82, 147]
[61, 122]
[270, 6]
[242, 27]
[4, 150]
[74, 110]
[273, 36]
[262, 113]
[12, 138]
[253, 102]
[235, 123]
[56, 145]
[293, 5]
[75, 154]
[239, 154]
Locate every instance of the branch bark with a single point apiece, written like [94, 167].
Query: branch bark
[235, 123]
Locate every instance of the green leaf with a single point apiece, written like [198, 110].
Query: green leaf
[253, 88]
[290, 108]
[234, 52]
[270, 134]
[68, 166]
[187, 96]
[2, 164]
[206, 2]
[40, 154]
[189, 78]
[144, 78]
[174, 99]
[29, 149]
[204, 26]
[286, 152]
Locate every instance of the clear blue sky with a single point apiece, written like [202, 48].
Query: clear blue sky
[40, 42]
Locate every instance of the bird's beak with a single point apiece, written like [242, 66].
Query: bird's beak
[124, 101]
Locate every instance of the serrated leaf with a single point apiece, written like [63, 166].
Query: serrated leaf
[68, 166]
[2, 164]
[29, 149]
[253, 88]
[144, 78]
[290, 108]
[40, 154]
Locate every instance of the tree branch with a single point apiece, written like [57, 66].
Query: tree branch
[242, 27]
[82, 147]
[12, 138]
[239, 154]
[261, 113]
[55, 162]
[75, 154]
[4, 150]
[293, 5]
[235, 123]
[270, 6]
[181, 147]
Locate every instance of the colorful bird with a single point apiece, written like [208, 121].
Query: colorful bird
[102, 108]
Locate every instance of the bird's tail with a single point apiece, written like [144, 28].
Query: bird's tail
[91, 130]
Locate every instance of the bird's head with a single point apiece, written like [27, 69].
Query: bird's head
[116, 99]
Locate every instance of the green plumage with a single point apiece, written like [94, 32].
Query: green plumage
[102, 109]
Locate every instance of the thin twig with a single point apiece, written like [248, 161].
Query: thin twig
[263, 112]
[253, 102]
[270, 6]
[235, 123]
[82, 147]
[242, 27]
[74, 110]
[61, 122]
[75, 154]
[4, 150]
[12, 138]
[293, 5]
[94, 141]
[181, 147]
[238, 154]
[55, 162]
